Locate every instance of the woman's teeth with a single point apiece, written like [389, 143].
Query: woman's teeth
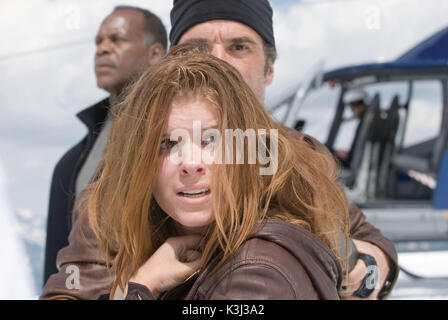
[195, 193]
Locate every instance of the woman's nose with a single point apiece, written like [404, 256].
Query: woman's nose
[192, 169]
[192, 163]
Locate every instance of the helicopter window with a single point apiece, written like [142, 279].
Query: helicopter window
[318, 110]
[387, 91]
[415, 164]
[395, 144]
[346, 133]
[425, 113]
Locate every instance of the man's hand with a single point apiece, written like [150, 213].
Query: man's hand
[171, 264]
[357, 275]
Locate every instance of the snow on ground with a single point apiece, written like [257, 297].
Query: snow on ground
[432, 267]
[15, 272]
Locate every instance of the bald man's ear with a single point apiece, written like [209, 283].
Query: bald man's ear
[155, 53]
[270, 74]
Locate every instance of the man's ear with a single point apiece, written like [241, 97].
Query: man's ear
[155, 53]
[270, 74]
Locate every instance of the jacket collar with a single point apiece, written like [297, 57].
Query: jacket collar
[94, 115]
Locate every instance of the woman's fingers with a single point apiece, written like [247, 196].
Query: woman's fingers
[171, 264]
[191, 255]
[186, 248]
[192, 266]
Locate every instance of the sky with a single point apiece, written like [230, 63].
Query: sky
[46, 67]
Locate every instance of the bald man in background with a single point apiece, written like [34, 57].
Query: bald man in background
[129, 40]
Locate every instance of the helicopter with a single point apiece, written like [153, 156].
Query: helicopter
[399, 158]
[397, 171]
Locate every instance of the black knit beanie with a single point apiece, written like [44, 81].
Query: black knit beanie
[256, 14]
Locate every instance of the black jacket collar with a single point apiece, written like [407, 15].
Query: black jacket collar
[94, 115]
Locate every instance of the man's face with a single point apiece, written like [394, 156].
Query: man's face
[358, 109]
[239, 45]
[121, 52]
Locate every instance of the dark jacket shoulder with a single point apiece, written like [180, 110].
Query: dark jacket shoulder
[62, 193]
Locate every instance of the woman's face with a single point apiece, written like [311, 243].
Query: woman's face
[182, 187]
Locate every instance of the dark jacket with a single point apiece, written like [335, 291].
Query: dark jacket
[62, 192]
[280, 261]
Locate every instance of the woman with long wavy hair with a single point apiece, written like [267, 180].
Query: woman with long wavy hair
[175, 225]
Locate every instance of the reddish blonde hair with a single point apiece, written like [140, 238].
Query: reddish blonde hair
[120, 204]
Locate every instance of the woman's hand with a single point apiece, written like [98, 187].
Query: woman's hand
[171, 264]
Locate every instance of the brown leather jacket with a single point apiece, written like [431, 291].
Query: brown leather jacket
[280, 261]
[95, 281]
[301, 265]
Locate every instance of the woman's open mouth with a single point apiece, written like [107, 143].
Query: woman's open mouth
[194, 193]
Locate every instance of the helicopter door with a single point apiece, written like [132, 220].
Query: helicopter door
[441, 194]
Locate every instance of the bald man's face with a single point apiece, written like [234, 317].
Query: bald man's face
[121, 52]
[239, 45]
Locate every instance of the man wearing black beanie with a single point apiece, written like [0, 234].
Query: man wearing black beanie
[241, 33]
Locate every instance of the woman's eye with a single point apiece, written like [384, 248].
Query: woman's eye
[207, 140]
[167, 144]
